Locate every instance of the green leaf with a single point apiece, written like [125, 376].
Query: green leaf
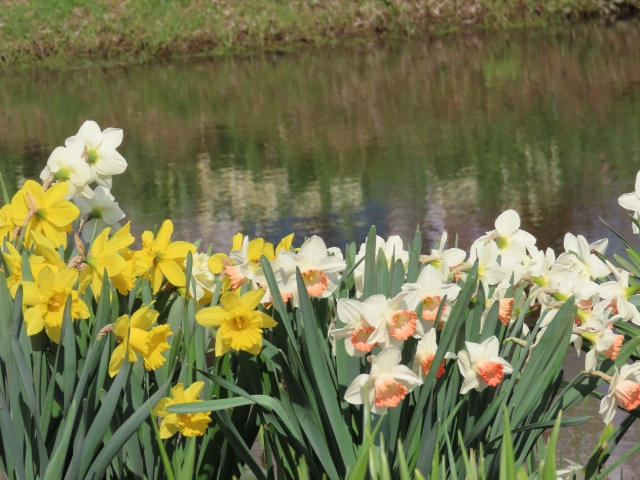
[507, 459]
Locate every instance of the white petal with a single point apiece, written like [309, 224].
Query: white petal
[355, 392]
[313, 249]
[388, 359]
[112, 137]
[110, 162]
[472, 381]
[490, 346]
[630, 201]
[508, 223]
[90, 133]
[608, 408]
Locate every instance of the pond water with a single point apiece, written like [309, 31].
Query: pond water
[443, 133]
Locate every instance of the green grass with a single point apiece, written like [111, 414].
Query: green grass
[54, 32]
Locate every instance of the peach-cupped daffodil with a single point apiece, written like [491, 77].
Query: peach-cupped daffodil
[238, 322]
[386, 386]
[444, 260]
[164, 257]
[393, 249]
[102, 157]
[481, 365]
[105, 256]
[46, 301]
[425, 353]
[137, 337]
[6, 223]
[624, 391]
[188, 424]
[618, 292]
[46, 212]
[394, 321]
[357, 330]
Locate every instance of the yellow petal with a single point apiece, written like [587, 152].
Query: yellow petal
[252, 298]
[211, 316]
[177, 393]
[217, 262]
[66, 278]
[35, 190]
[41, 240]
[117, 357]
[161, 407]
[256, 348]
[236, 243]
[46, 279]
[172, 272]
[34, 321]
[54, 193]
[53, 332]
[222, 347]
[144, 317]
[156, 279]
[137, 341]
[268, 251]
[155, 344]
[31, 294]
[179, 250]
[191, 394]
[99, 242]
[111, 261]
[79, 309]
[121, 328]
[58, 236]
[267, 321]
[120, 240]
[62, 213]
[164, 236]
[230, 301]
[285, 243]
[255, 250]
[169, 426]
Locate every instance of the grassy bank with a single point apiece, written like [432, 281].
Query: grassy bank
[75, 31]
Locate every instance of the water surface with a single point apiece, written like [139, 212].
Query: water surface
[443, 133]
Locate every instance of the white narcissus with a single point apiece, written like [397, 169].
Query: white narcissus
[489, 272]
[394, 321]
[67, 164]
[512, 242]
[200, 273]
[393, 248]
[619, 292]
[481, 365]
[631, 201]
[319, 271]
[387, 384]
[425, 353]
[102, 209]
[429, 290]
[357, 330]
[578, 256]
[624, 391]
[102, 156]
[573, 471]
[445, 260]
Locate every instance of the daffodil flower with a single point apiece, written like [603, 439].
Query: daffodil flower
[105, 256]
[444, 260]
[387, 384]
[578, 256]
[489, 271]
[573, 471]
[245, 261]
[6, 223]
[46, 301]
[135, 267]
[598, 331]
[429, 290]
[512, 242]
[47, 212]
[624, 391]
[103, 159]
[138, 338]
[41, 258]
[202, 275]
[631, 201]
[164, 257]
[393, 320]
[481, 365]
[357, 330]
[618, 292]
[425, 353]
[320, 271]
[102, 210]
[188, 424]
[238, 322]
[66, 164]
[393, 248]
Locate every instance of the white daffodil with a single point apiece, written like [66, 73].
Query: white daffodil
[67, 164]
[573, 471]
[578, 256]
[387, 384]
[624, 391]
[512, 242]
[430, 291]
[357, 330]
[320, 271]
[102, 157]
[631, 201]
[200, 273]
[481, 365]
[489, 272]
[619, 292]
[444, 260]
[394, 321]
[393, 249]
[425, 353]
[102, 209]
[598, 331]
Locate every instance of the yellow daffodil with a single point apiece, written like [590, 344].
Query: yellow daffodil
[164, 257]
[6, 224]
[47, 299]
[189, 424]
[135, 267]
[46, 212]
[42, 257]
[239, 323]
[105, 255]
[136, 338]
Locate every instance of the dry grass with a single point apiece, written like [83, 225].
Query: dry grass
[75, 31]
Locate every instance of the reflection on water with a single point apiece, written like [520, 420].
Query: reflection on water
[444, 133]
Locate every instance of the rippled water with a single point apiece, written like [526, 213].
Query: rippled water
[445, 133]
